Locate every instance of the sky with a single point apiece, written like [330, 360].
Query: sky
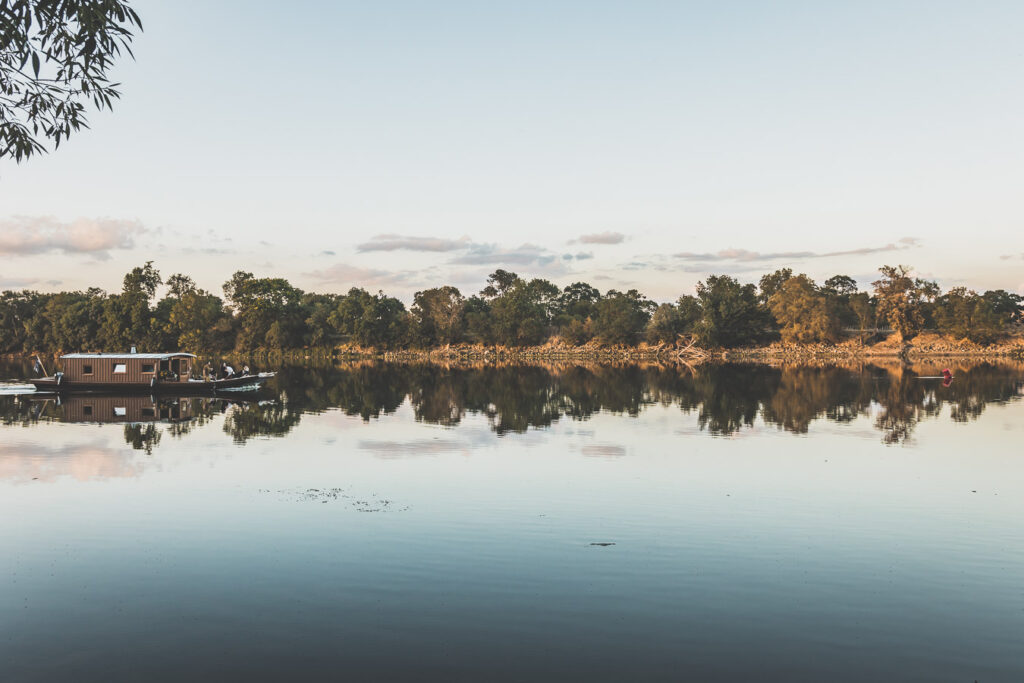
[400, 145]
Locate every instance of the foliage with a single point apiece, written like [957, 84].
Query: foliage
[438, 315]
[268, 311]
[771, 282]
[621, 317]
[803, 312]
[271, 314]
[965, 314]
[730, 314]
[54, 59]
[903, 300]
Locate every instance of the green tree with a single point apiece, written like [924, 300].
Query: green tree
[575, 308]
[54, 58]
[965, 314]
[622, 316]
[268, 310]
[199, 322]
[521, 312]
[803, 312]
[730, 314]
[771, 282]
[438, 315]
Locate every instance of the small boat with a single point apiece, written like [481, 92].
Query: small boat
[155, 373]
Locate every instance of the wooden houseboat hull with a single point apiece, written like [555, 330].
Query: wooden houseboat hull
[247, 383]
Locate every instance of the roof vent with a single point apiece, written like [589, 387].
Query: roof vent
[133, 349]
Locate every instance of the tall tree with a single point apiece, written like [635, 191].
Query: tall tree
[802, 312]
[730, 314]
[438, 313]
[622, 316]
[903, 299]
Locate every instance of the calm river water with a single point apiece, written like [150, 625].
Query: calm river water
[523, 523]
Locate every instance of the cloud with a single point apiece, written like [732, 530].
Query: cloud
[1007, 257]
[600, 238]
[354, 276]
[579, 256]
[746, 256]
[28, 235]
[492, 254]
[16, 282]
[392, 242]
[327, 252]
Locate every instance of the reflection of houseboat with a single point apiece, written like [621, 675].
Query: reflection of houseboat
[169, 373]
[127, 409]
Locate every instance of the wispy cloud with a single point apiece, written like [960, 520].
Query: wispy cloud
[600, 238]
[392, 242]
[16, 282]
[579, 256]
[26, 235]
[493, 254]
[355, 276]
[746, 256]
[1007, 257]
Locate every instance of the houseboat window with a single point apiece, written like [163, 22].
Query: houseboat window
[120, 368]
[86, 369]
[120, 411]
[86, 410]
[147, 367]
[148, 412]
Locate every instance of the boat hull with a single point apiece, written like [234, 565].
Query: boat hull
[235, 385]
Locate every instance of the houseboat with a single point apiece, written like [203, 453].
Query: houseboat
[165, 373]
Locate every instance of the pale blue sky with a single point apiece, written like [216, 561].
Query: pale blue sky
[691, 138]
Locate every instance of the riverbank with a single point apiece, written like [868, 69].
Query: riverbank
[923, 346]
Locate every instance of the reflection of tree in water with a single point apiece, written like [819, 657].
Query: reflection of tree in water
[725, 397]
[246, 420]
[142, 437]
[904, 400]
[806, 393]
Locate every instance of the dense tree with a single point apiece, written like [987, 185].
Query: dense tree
[521, 311]
[372, 321]
[198, 320]
[841, 285]
[771, 282]
[965, 314]
[803, 312]
[54, 58]
[268, 311]
[730, 315]
[438, 315]
[903, 300]
[621, 317]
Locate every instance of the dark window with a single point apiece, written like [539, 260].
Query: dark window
[148, 412]
[147, 367]
[86, 369]
[87, 410]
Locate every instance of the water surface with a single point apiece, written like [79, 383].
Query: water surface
[409, 522]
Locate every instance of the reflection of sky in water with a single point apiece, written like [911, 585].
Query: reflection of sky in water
[752, 556]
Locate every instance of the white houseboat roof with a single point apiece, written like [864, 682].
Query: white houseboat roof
[145, 356]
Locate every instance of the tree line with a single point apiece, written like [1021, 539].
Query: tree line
[271, 314]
